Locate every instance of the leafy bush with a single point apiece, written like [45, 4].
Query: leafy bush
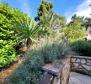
[74, 29]
[72, 33]
[15, 27]
[7, 35]
[29, 72]
[82, 47]
[53, 51]
[7, 52]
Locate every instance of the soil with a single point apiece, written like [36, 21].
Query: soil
[6, 72]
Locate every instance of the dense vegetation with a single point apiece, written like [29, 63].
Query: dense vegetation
[74, 29]
[81, 47]
[15, 28]
[44, 40]
[7, 40]
[49, 21]
[30, 71]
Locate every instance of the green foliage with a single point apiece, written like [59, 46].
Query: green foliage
[56, 22]
[44, 15]
[43, 10]
[87, 23]
[53, 51]
[15, 27]
[8, 19]
[7, 52]
[26, 30]
[5, 22]
[82, 47]
[73, 33]
[48, 19]
[74, 29]
[76, 23]
[7, 42]
[30, 70]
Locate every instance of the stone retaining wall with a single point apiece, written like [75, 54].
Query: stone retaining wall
[64, 73]
[81, 64]
[73, 63]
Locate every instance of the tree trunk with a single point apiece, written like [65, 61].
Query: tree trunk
[23, 47]
[28, 43]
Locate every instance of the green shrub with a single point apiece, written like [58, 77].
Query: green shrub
[82, 47]
[7, 52]
[11, 30]
[72, 33]
[53, 51]
[7, 34]
[28, 72]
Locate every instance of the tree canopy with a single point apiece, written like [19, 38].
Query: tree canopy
[74, 29]
[49, 20]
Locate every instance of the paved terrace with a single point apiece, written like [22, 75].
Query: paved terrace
[77, 78]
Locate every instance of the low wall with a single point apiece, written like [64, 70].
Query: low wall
[81, 64]
[64, 73]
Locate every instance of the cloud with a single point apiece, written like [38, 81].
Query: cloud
[82, 10]
[25, 6]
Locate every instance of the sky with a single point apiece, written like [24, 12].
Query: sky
[66, 8]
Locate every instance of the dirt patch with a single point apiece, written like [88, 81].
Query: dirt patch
[6, 72]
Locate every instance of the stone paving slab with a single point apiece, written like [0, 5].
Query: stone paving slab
[77, 78]
[51, 69]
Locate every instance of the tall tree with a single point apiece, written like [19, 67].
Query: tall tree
[74, 29]
[43, 11]
[44, 15]
[57, 22]
[87, 23]
[77, 22]
[48, 19]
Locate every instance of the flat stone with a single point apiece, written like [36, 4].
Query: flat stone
[50, 68]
